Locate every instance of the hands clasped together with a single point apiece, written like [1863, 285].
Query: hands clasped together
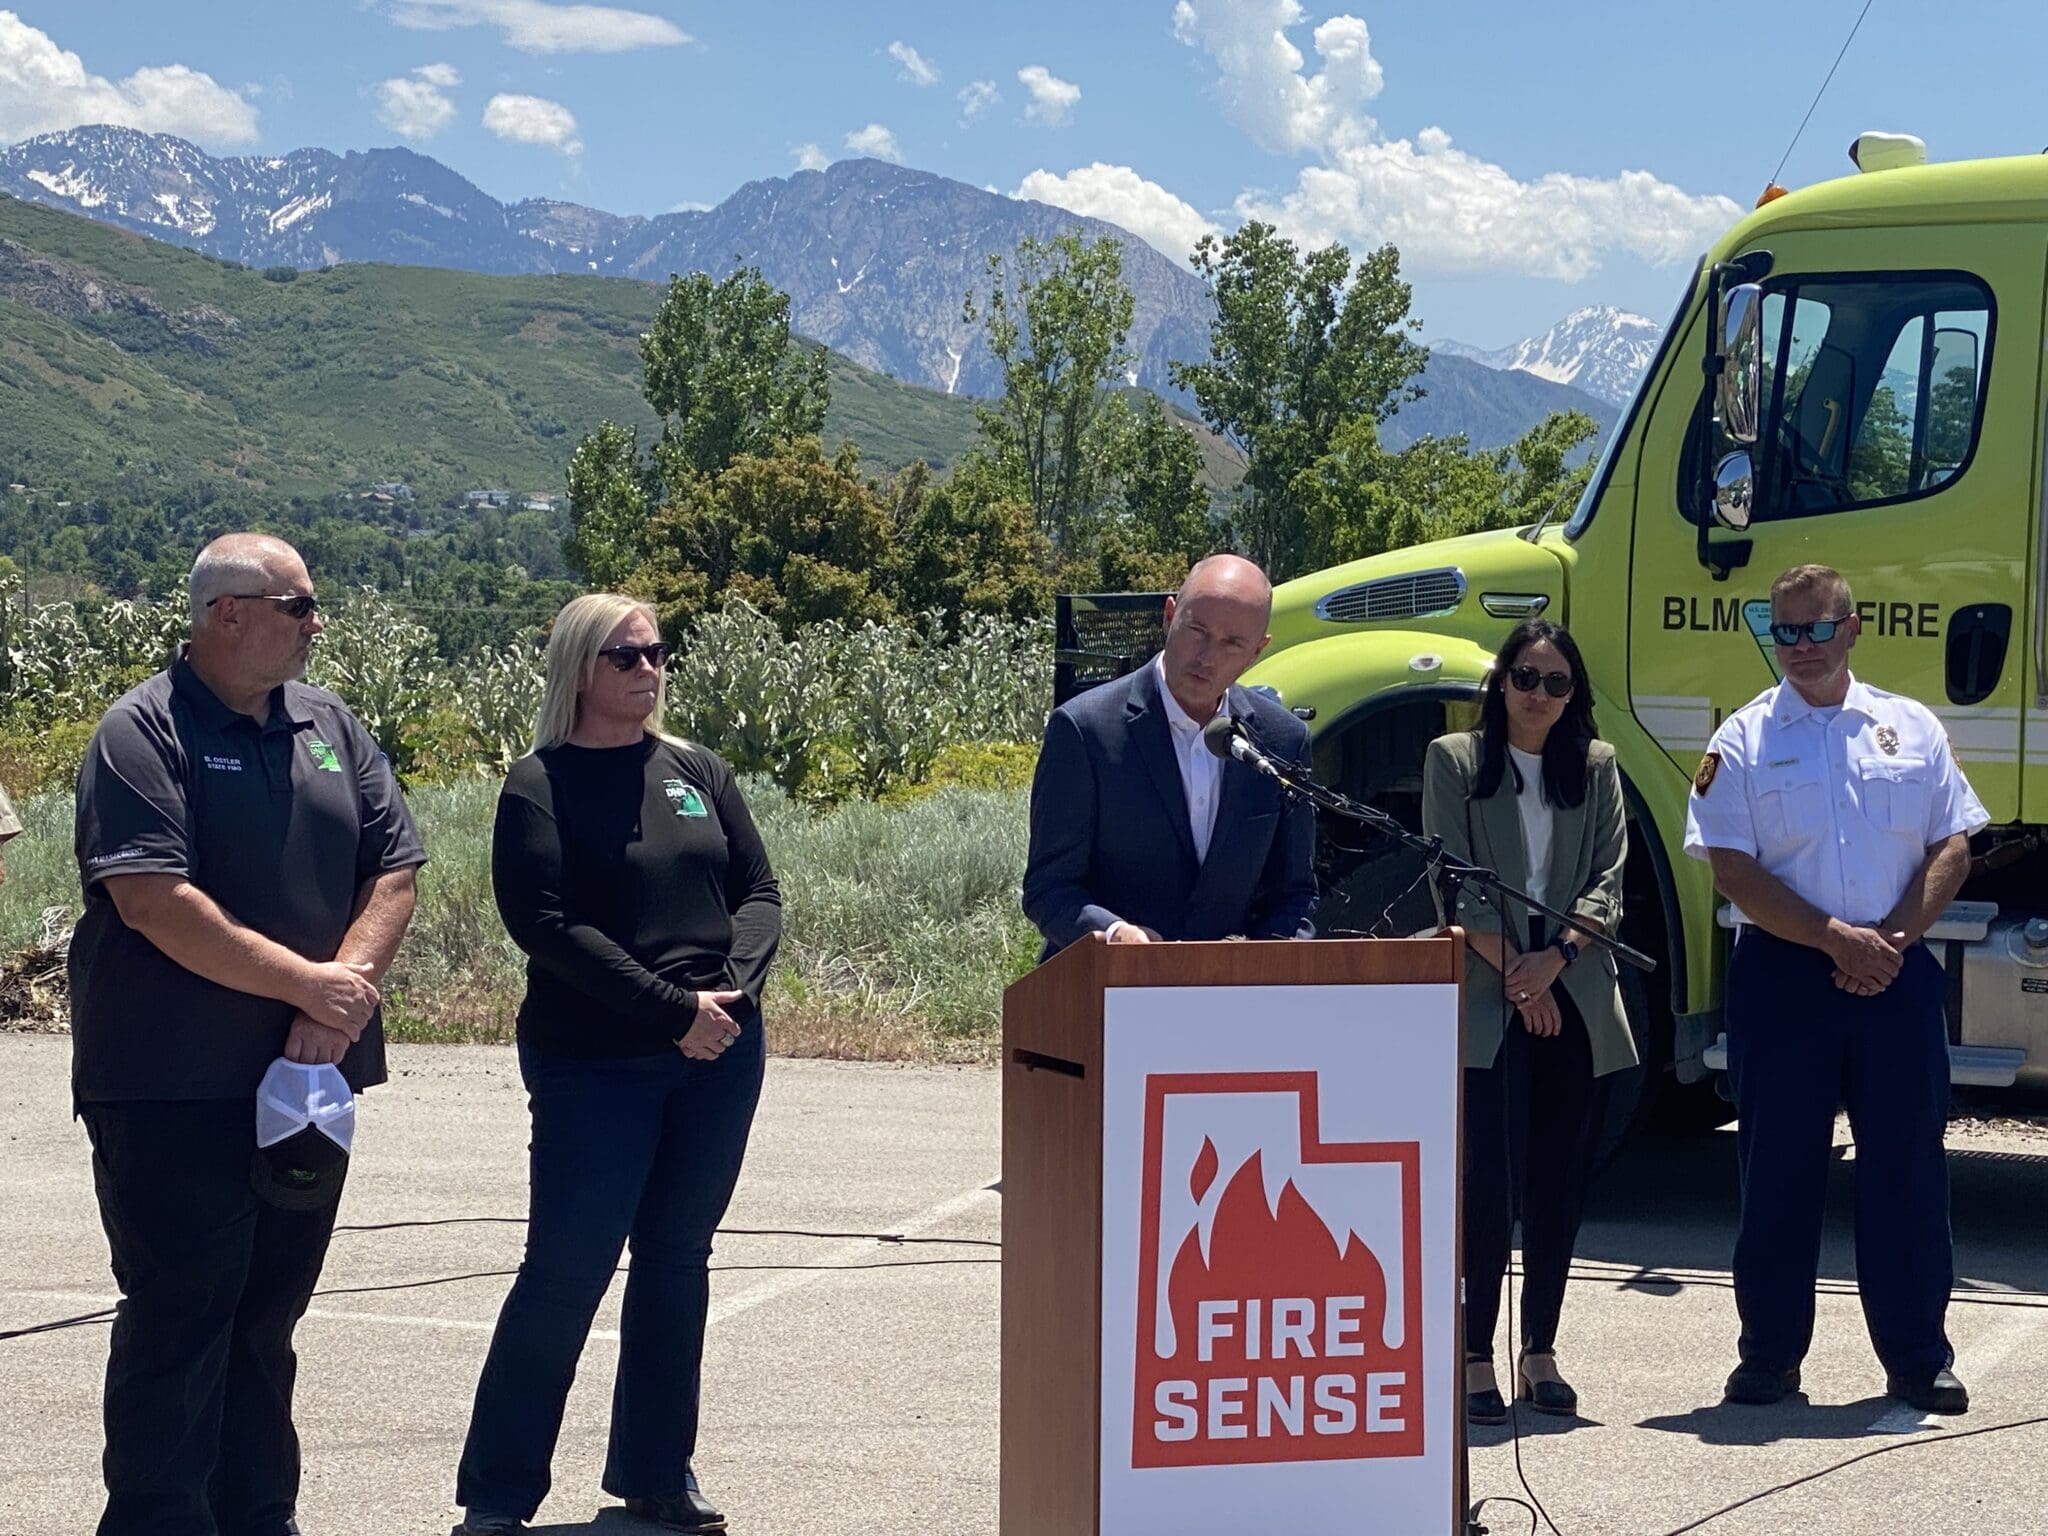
[1529, 978]
[714, 1030]
[1867, 960]
[335, 1004]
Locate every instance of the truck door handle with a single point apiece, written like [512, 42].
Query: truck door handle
[1978, 637]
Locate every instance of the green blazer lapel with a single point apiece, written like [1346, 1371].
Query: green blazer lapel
[1567, 853]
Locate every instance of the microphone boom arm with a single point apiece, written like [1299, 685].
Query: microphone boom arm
[1227, 738]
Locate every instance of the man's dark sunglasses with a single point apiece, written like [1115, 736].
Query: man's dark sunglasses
[297, 604]
[1819, 631]
[627, 657]
[1557, 684]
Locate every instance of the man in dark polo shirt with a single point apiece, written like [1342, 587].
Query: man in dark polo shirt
[248, 869]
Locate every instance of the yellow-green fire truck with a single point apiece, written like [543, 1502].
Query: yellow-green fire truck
[1854, 376]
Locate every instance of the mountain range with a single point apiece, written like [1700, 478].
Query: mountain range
[876, 257]
[1603, 351]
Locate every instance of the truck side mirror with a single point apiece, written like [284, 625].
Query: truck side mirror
[1740, 394]
[1734, 490]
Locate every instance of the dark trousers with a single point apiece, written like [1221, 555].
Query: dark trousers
[646, 1149]
[1531, 1128]
[213, 1280]
[1797, 1047]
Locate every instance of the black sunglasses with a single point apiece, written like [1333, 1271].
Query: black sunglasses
[1819, 631]
[1557, 684]
[296, 604]
[627, 657]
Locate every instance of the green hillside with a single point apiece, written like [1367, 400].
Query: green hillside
[135, 368]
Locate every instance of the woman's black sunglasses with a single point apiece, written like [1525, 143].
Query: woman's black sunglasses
[1557, 684]
[297, 604]
[1819, 631]
[627, 657]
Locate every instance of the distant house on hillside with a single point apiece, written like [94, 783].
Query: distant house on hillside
[538, 501]
[396, 490]
[487, 498]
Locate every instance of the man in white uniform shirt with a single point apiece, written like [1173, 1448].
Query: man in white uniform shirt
[1837, 821]
[1138, 832]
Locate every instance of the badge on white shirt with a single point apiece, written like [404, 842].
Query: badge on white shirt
[1840, 804]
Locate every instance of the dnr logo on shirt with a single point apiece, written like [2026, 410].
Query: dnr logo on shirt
[683, 798]
[324, 757]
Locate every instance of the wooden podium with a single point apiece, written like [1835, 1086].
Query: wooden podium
[1053, 1319]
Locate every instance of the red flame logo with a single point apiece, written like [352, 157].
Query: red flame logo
[1278, 1328]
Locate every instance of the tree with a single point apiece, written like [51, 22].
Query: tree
[1056, 317]
[797, 535]
[1358, 499]
[1295, 355]
[966, 547]
[723, 374]
[1159, 490]
[609, 498]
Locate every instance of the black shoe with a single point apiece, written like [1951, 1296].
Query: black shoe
[1551, 1394]
[686, 1511]
[1936, 1393]
[481, 1522]
[1483, 1404]
[1759, 1384]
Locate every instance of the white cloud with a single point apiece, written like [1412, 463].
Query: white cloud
[1263, 88]
[533, 120]
[416, 106]
[690, 207]
[1119, 194]
[917, 69]
[537, 26]
[1449, 211]
[810, 158]
[1052, 99]
[874, 140]
[44, 88]
[975, 98]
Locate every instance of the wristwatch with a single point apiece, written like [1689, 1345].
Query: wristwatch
[1568, 949]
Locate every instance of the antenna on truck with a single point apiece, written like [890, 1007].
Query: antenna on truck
[1816, 99]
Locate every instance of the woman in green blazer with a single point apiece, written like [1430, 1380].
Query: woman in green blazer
[1533, 794]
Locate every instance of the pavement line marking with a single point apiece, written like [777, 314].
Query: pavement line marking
[1995, 1345]
[845, 1253]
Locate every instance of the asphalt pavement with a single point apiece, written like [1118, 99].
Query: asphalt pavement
[851, 1368]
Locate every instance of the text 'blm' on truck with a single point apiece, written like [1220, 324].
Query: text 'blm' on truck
[1854, 377]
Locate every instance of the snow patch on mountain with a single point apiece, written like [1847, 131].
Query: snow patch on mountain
[1603, 350]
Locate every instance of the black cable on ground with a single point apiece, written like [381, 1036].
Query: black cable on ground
[1850, 1461]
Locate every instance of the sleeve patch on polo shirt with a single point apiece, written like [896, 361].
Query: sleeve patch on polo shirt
[1702, 781]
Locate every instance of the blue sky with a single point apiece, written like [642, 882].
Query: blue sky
[1528, 158]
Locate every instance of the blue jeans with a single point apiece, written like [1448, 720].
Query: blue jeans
[645, 1149]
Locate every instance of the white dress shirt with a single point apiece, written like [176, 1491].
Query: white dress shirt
[1839, 804]
[1201, 771]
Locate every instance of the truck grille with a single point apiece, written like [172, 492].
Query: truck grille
[1412, 596]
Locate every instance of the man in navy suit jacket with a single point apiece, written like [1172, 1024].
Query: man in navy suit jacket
[1138, 832]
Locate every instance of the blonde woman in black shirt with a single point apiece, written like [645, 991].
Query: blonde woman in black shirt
[627, 867]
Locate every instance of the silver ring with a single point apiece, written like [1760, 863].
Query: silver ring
[1521, 997]
[731, 1037]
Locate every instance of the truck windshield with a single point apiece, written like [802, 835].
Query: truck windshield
[1589, 500]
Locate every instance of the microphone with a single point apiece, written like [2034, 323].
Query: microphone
[1225, 738]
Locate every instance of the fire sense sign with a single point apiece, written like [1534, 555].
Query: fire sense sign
[1279, 1281]
[1271, 1326]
